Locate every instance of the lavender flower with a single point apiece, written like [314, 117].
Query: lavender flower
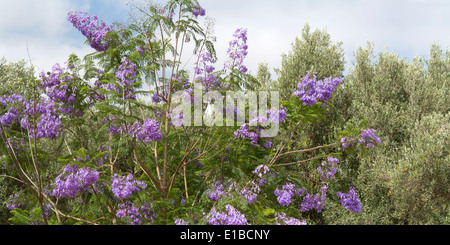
[231, 217]
[260, 171]
[133, 215]
[181, 222]
[368, 138]
[15, 201]
[123, 186]
[282, 219]
[347, 141]
[285, 194]
[328, 169]
[92, 28]
[148, 131]
[237, 51]
[216, 192]
[139, 50]
[310, 91]
[8, 118]
[316, 202]
[204, 69]
[243, 132]
[74, 180]
[350, 200]
[198, 11]
[126, 72]
[250, 193]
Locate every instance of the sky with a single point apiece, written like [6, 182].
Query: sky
[38, 30]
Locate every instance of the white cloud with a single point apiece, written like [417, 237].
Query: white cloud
[405, 27]
[38, 29]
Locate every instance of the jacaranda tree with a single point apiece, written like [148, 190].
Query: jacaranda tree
[141, 140]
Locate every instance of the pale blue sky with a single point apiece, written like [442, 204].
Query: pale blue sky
[405, 27]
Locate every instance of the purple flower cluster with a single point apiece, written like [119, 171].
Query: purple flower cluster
[15, 201]
[250, 193]
[367, 138]
[139, 50]
[316, 202]
[126, 72]
[56, 85]
[282, 219]
[92, 28]
[123, 186]
[216, 192]
[328, 169]
[288, 191]
[181, 222]
[133, 215]
[48, 125]
[144, 132]
[147, 131]
[204, 70]
[74, 180]
[231, 217]
[237, 51]
[245, 132]
[260, 171]
[310, 91]
[273, 116]
[12, 114]
[8, 118]
[198, 11]
[350, 200]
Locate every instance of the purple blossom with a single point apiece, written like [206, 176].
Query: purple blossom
[250, 193]
[231, 217]
[148, 131]
[8, 118]
[237, 51]
[48, 126]
[74, 180]
[15, 201]
[181, 222]
[328, 169]
[261, 170]
[346, 141]
[133, 215]
[216, 192]
[156, 98]
[59, 88]
[273, 116]
[139, 50]
[198, 11]
[285, 194]
[350, 200]
[368, 138]
[282, 219]
[92, 28]
[126, 72]
[243, 132]
[204, 71]
[310, 91]
[123, 186]
[316, 202]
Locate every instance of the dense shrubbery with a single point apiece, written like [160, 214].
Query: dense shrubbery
[97, 141]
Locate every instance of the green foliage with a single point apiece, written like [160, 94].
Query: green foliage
[404, 180]
[312, 52]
